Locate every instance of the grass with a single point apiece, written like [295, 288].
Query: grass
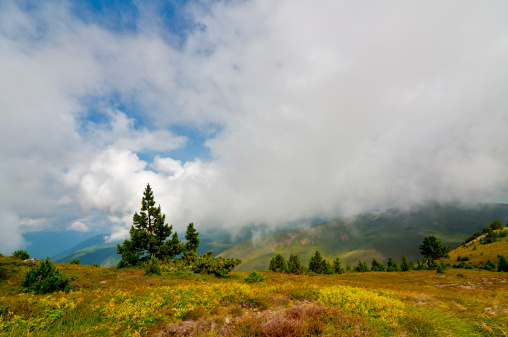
[479, 256]
[107, 301]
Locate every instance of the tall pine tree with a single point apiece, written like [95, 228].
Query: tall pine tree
[149, 234]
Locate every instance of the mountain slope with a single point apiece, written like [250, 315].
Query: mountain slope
[93, 250]
[371, 235]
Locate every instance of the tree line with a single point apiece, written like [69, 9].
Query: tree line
[431, 249]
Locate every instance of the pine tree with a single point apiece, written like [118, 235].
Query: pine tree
[377, 266]
[316, 263]
[404, 265]
[432, 249]
[337, 268]
[191, 246]
[392, 265]
[277, 264]
[294, 265]
[503, 264]
[148, 235]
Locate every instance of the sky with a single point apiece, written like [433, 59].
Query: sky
[240, 113]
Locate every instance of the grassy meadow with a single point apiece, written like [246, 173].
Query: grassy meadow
[112, 302]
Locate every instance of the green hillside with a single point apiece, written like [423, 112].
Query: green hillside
[377, 235]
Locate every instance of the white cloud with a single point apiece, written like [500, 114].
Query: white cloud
[78, 226]
[11, 238]
[323, 109]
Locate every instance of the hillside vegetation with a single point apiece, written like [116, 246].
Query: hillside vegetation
[125, 302]
[378, 235]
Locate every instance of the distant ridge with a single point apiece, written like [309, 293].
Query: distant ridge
[93, 250]
[380, 235]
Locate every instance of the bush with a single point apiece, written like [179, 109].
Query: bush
[219, 266]
[75, 261]
[490, 265]
[152, 266]
[460, 275]
[254, 277]
[21, 254]
[277, 264]
[441, 268]
[45, 278]
[96, 265]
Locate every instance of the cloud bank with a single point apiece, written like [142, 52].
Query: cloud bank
[307, 110]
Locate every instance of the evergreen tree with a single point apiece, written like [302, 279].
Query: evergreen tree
[191, 246]
[294, 265]
[496, 224]
[316, 263]
[503, 264]
[376, 266]
[392, 265]
[148, 235]
[404, 265]
[432, 249]
[327, 267]
[277, 264]
[362, 266]
[337, 268]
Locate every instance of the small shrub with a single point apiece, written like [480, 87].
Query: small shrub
[21, 254]
[490, 265]
[218, 266]
[254, 277]
[96, 265]
[45, 278]
[460, 275]
[75, 261]
[152, 266]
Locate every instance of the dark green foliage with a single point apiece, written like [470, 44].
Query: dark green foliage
[496, 224]
[316, 263]
[96, 265]
[278, 264]
[392, 265]
[218, 266]
[21, 254]
[376, 266]
[75, 261]
[148, 234]
[327, 267]
[490, 266]
[432, 249]
[362, 267]
[473, 236]
[45, 278]
[460, 275]
[503, 264]
[404, 265]
[337, 268]
[348, 268]
[294, 265]
[152, 266]
[191, 246]
[254, 277]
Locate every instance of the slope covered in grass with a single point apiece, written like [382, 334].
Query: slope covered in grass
[378, 235]
[107, 301]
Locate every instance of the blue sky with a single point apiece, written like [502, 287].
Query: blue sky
[246, 112]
